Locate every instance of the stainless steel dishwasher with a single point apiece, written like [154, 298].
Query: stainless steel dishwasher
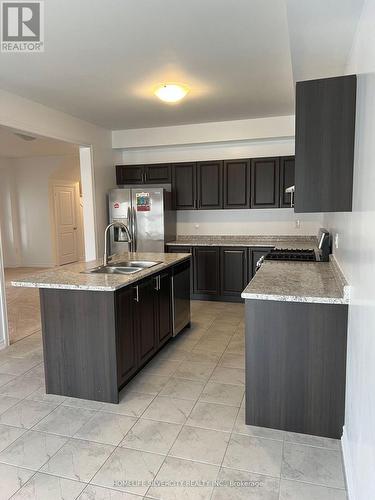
[181, 297]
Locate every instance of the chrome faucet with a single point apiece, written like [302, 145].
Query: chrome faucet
[114, 224]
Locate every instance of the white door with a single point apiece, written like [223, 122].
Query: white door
[66, 223]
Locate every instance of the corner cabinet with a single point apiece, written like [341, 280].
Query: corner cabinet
[325, 129]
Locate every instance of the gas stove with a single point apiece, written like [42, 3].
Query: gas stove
[294, 255]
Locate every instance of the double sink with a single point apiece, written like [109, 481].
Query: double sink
[125, 267]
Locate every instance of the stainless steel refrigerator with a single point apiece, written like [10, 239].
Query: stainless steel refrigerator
[148, 212]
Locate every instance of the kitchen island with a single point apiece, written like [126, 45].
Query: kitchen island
[100, 329]
[296, 336]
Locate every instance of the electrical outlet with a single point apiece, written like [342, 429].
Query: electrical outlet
[298, 223]
[337, 240]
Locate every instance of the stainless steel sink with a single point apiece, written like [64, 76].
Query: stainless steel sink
[143, 264]
[125, 267]
[114, 270]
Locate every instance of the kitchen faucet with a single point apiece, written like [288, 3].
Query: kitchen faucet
[114, 224]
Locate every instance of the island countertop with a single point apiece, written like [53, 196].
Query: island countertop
[319, 282]
[74, 277]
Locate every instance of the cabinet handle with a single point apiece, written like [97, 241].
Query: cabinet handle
[157, 285]
[136, 298]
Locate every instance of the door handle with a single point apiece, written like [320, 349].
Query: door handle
[136, 298]
[157, 284]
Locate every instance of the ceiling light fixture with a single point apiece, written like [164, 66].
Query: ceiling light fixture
[171, 92]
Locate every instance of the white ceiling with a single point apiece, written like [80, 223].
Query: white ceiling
[102, 58]
[12, 146]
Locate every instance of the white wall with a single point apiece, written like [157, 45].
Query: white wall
[356, 254]
[26, 208]
[223, 140]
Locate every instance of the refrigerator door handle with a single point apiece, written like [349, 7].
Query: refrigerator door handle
[134, 230]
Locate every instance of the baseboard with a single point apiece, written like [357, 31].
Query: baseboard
[348, 466]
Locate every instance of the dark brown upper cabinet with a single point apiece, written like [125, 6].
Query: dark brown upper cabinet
[287, 167]
[265, 182]
[159, 173]
[184, 182]
[325, 128]
[129, 174]
[210, 185]
[237, 184]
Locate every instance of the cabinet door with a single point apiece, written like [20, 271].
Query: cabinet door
[210, 185]
[206, 270]
[178, 249]
[233, 265]
[157, 174]
[146, 320]
[129, 174]
[254, 255]
[163, 282]
[265, 183]
[325, 130]
[286, 180]
[236, 184]
[125, 335]
[184, 185]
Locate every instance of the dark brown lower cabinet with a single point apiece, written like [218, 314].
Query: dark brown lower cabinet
[146, 320]
[233, 271]
[95, 342]
[126, 339]
[206, 270]
[295, 366]
[255, 254]
[164, 308]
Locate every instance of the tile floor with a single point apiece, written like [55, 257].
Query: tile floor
[22, 305]
[178, 432]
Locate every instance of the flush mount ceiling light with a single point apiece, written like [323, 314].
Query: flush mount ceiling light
[171, 92]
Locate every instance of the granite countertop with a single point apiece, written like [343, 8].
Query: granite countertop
[303, 242]
[319, 282]
[73, 276]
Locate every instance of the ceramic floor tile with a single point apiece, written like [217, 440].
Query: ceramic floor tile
[168, 409]
[17, 366]
[5, 378]
[201, 445]
[152, 436]
[239, 485]
[222, 393]
[132, 404]
[211, 346]
[232, 360]
[22, 386]
[92, 492]
[146, 383]
[129, 470]
[8, 435]
[78, 459]
[40, 395]
[313, 465]
[65, 420]
[228, 375]
[183, 471]
[213, 416]
[294, 490]
[162, 366]
[108, 428]
[182, 389]
[12, 479]
[32, 450]
[83, 403]
[320, 442]
[45, 487]
[250, 430]
[252, 454]
[203, 356]
[26, 414]
[195, 371]
[7, 402]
